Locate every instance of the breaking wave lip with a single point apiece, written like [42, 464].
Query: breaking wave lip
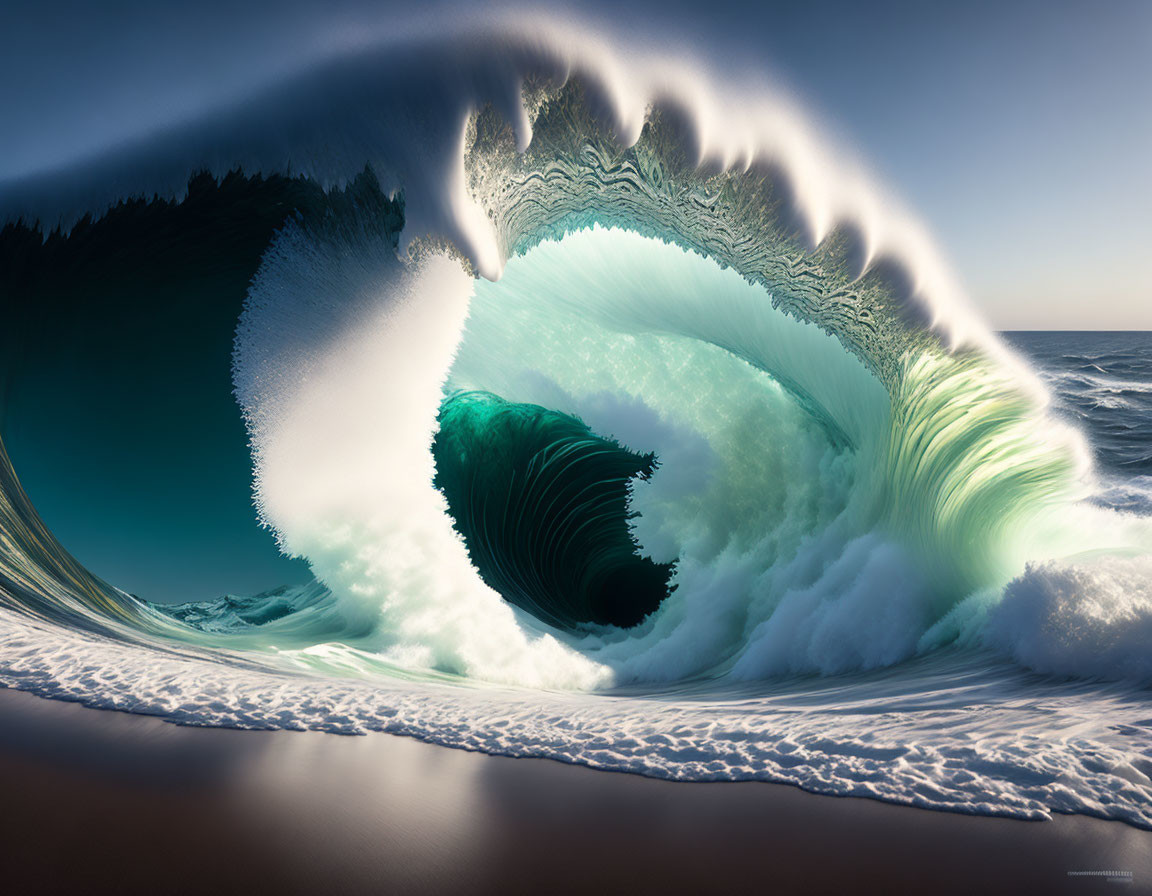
[717, 291]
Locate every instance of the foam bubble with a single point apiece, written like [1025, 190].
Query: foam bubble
[1090, 619]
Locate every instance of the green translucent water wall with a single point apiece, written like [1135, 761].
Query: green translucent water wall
[542, 503]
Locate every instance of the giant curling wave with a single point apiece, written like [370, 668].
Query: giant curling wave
[783, 447]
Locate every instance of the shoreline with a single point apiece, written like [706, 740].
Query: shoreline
[103, 800]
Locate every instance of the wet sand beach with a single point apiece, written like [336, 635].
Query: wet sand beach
[99, 801]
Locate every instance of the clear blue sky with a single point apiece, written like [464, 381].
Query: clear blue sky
[1021, 132]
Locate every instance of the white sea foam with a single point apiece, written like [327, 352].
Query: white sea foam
[949, 734]
[1092, 618]
[342, 441]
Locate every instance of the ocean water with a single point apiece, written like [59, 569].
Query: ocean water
[1101, 382]
[960, 728]
[612, 437]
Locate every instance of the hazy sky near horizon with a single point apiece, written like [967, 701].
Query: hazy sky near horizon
[1021, 132]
